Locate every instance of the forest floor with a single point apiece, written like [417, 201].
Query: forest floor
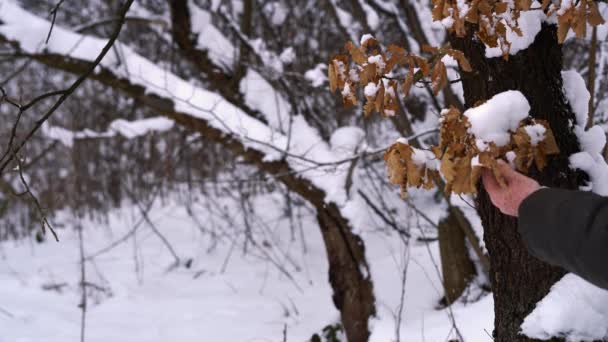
[277, 291]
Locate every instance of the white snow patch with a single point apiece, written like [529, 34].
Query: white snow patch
[288, 56]
[366, 37]
[347, 139]
[577, 94]
[574, 308]
[536, 133]
[529, 23]
[371, 89]
[127, 129]
[277, 12]
[492, 121]
[317, 76]
[378, 60]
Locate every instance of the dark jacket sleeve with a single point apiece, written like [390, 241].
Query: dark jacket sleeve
[569, 229]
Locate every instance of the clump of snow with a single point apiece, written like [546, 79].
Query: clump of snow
[595, 166]
[353, 75]
[536, 133]
[270, 59]
[493, 120]
[529, 22]
[347, 139]
[425, 158]
[288, 55]
[378, 60]
[577, 94]
[592, 140]
[132, 129]
[347, 91]
[366, 37]
[277, 12]
[220, 49]
[127, 129]
[574, 308]
[511, 157]
[447, 22]
[318, 75]
[370, 89]
[402, 140]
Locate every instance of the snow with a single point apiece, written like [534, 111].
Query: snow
[224, 295]
[529, 23]
[373, 20]
[366, 37]
[317, 76]
[493, 120]
[268, 57]
[591, 141]
[575, 90]
[574, 308]
[511, 155]
[271, 139]
[288, 56]
[277, 12]
[370, 90]
[127, 129]
[347, 91]
[132, 129]
[378, 60]
[221, 51]
[536, 133]
[425, 158]
[347, 139]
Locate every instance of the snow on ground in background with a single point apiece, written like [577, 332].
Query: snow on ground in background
[575, 308]
[347, 140]
[552, 318]
[250, 301]
[492, 121]
[529, 23]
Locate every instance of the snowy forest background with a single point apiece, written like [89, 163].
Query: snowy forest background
[204, 183]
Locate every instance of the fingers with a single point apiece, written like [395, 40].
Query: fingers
[507, 172]
[489, 182]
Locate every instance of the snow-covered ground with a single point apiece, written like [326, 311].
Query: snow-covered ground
[225, 295]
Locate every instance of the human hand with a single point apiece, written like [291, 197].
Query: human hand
[508, 198]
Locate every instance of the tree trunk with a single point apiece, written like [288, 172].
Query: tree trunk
[456, 265]
[518, 279]
[348, 274]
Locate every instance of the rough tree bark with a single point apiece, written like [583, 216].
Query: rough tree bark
[456, 266]
[518, 279]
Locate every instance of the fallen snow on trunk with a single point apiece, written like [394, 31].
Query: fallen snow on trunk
[592, 141]
[529, 23]
[574, 308]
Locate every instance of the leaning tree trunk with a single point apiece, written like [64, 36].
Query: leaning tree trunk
[518, 279]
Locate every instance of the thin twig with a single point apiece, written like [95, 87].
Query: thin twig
[54, 14]
[83, 282]
[123, 11]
